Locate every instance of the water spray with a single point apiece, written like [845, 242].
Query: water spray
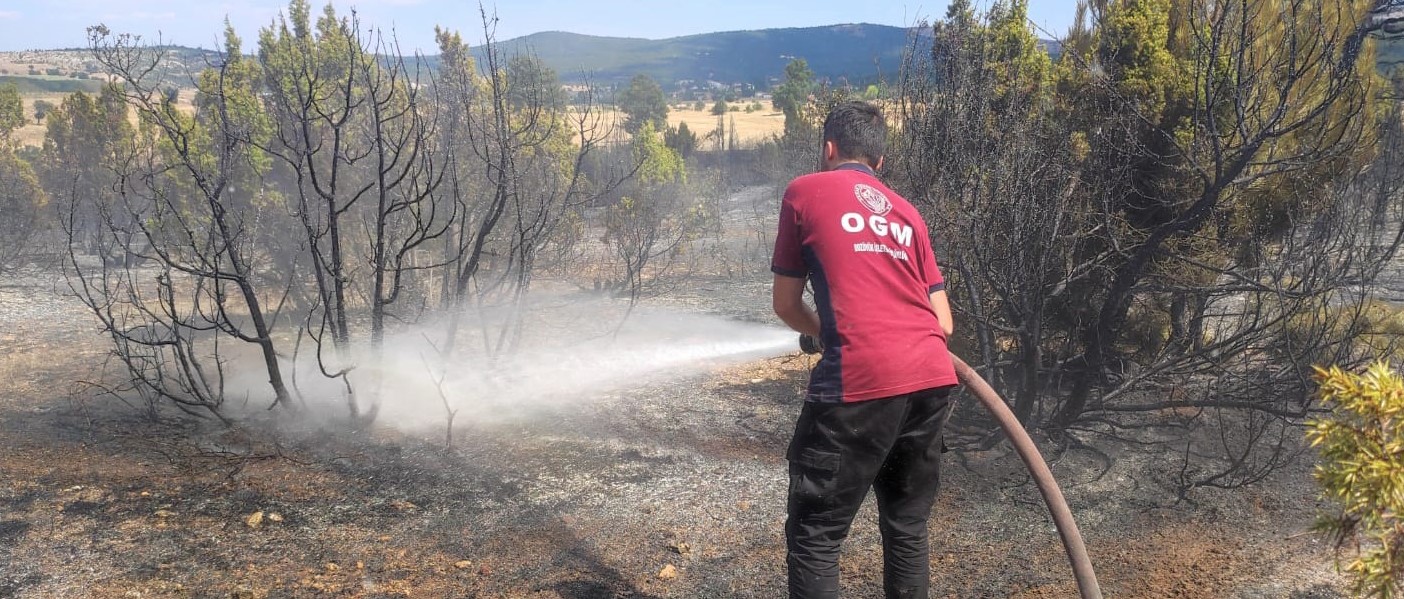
[1053, 496]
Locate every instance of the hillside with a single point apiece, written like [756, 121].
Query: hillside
[72, 69]
[854, 52]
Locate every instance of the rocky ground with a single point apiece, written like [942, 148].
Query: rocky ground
[669, 486]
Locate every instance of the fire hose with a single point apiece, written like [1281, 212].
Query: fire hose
[1053, 496]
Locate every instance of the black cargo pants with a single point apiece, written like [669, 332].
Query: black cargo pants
[840, 450]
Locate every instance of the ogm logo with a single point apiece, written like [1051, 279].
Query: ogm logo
[872, 199]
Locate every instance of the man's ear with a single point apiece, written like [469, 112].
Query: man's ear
[830, 151]
[878, 166]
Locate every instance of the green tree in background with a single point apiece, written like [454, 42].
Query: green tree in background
[42, 108]
[532, 85]
[22, 201]
[720, 108]
[11, 111]
[680, 139]
[792, 96]
[653, 220]
[86, 137]
[658, 164]
[643, 104]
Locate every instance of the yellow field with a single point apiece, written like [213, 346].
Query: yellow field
[751, 128]
[32, 133]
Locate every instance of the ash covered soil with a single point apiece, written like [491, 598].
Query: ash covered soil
[668, 486]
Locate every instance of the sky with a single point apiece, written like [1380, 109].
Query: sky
[50, 24]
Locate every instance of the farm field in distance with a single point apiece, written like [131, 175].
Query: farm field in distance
[751, 127]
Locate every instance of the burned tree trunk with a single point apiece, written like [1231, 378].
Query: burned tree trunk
[183, 196]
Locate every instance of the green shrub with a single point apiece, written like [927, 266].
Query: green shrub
[1361, 472]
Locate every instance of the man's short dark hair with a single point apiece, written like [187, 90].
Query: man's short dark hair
[859, 131]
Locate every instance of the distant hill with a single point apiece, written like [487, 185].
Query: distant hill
[854, 52]
[68, 70]
[857, 53]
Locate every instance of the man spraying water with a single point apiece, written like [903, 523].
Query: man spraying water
[880, 394]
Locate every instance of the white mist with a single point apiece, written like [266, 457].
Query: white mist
[556, 365]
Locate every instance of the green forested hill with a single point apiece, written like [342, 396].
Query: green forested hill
[854, 52]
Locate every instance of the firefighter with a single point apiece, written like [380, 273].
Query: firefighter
[879, 395]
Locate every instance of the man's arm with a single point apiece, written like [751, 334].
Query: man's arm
[787, 297]
[942, 306]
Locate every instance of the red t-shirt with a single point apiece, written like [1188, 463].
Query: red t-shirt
[868, 256]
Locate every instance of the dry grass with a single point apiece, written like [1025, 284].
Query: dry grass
[16, 63]
[751, 128]
[32, 133]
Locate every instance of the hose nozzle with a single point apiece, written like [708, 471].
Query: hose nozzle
[810, 344]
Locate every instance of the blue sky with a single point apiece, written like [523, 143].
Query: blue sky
[45, 24]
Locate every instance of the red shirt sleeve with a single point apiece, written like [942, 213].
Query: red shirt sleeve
[788, 258]
[934, 281]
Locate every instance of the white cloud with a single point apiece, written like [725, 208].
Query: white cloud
[9, 15]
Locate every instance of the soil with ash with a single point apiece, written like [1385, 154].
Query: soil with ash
[665, 488]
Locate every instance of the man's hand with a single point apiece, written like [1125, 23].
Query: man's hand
[787, 297]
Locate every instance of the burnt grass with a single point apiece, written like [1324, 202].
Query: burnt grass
[663, 488]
